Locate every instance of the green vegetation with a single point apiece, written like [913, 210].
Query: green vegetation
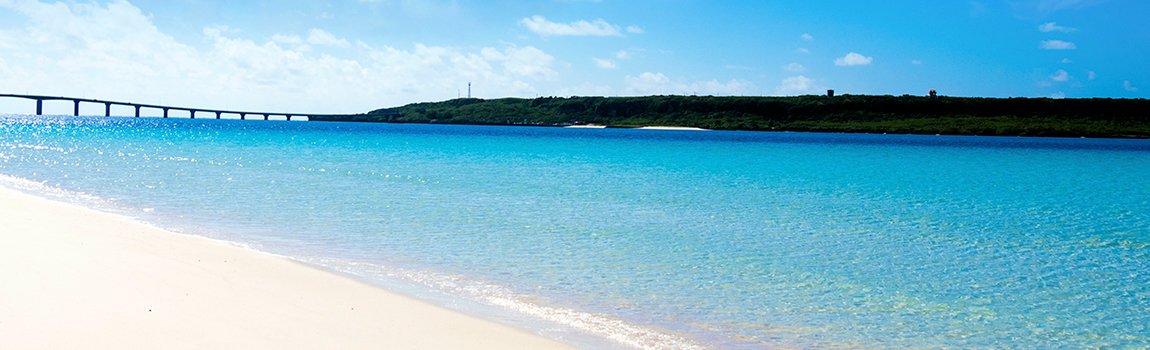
[845, 113]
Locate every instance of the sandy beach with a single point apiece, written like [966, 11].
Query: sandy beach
[74, 278]
[680, 128]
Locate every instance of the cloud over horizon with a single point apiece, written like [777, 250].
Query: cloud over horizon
[853, 59]
[114, 51]
[795, 85]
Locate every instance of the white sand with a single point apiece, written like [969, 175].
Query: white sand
[73, 278]
[672, 128]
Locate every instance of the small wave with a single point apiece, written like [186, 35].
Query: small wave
[44, 189]
[598, 325]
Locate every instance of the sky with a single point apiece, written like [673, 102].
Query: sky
[351, 56]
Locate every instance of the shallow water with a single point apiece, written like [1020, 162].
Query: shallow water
[657, 238]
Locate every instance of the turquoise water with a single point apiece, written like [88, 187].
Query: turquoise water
[656, 239]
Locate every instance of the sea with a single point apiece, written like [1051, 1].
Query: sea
[653, 239]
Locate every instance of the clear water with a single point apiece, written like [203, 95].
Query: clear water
[656, 239]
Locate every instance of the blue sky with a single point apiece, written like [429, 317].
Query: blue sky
[357, 55]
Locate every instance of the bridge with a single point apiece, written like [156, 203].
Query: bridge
[191, 111]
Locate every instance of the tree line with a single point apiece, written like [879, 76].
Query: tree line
[1095, 117]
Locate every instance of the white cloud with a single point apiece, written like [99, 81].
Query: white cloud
[113, 51]
[916, 62]
[803, 50]
[1058, 95]
[794, 68]
[795, 85]
[1060, 76]
[807, 37]
[322, 37]
[525, 62]
[853, 59]
[540, 25]
[634, 29]
[1066, 61]
[648, 82]
[623, 54]
[604, 63]
[1091, 75]
[651, 83]
[1054, 27]
[287, 39]
[318, 37]
[1128, 86]
[1057, 45]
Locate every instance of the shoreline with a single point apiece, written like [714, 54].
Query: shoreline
[673, 128]
[77, 277]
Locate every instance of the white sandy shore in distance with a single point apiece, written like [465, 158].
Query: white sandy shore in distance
[73, 278]
[641, 128]
[672, 128]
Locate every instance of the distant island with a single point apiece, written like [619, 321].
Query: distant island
[1095, 117]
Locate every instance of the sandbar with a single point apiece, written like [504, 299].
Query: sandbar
[75, 278]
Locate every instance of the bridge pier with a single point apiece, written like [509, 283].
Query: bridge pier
[167, 110]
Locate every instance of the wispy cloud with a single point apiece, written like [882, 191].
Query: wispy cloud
[540, 25]
[1046, 7]
[1054, 27]
[977, 8]
[807, 37]
[653, 83]
[1060, 76]
[1057, 45]
[604, 63]
[795, 85]
[794, 68]
[1126, 84]
[853, 59]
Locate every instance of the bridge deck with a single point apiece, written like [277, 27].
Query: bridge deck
[108, 106]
